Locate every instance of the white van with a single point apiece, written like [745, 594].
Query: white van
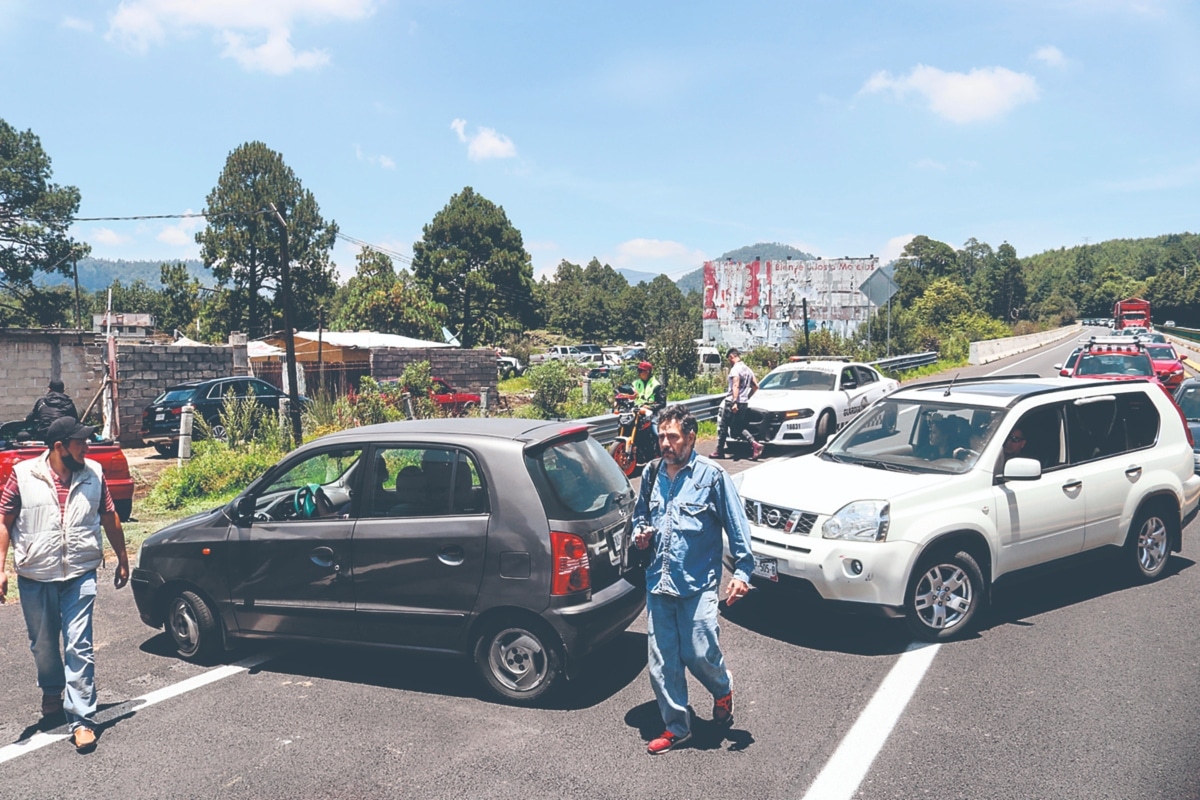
[710, 360]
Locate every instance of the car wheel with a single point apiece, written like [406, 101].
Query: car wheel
[1149, 544]
[944, 596]
[517, 663]
[219, 432]
[824, 428]
[192, 627]
[467, 408]
[124, 508]
[165, 449]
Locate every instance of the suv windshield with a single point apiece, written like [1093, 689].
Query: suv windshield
[583, 475]
[908, 435]
[814, 379]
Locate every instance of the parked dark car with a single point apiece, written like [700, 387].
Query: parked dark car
[1187, 397]
[501, 540]
[160, 419]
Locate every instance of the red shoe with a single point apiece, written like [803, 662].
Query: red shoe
[668, 741]
[717, 454]
[723, 710]
[755, 450]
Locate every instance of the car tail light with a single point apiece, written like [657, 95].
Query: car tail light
[175, 412]
[1186, 428]
[572, 571]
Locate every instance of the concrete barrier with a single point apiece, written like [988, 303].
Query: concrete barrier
[995, 349]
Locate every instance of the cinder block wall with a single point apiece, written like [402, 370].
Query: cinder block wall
[144, 370]
[468, 370]
[30, 359]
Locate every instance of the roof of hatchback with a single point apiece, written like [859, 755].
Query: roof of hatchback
[528, 430]
[998, 391]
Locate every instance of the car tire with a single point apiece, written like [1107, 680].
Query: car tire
[1148, 545]
[168, 450]
[519, 664]
[467, 408]
[219, 432]
[124, 509]
[193, 627]
[936, 612]
[824, 429]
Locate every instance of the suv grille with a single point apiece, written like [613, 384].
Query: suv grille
[783, 519]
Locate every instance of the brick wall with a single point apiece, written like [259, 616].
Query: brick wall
[468, 370]
[30, 359]
[144, 370]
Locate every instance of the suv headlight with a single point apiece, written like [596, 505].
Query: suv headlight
[862, 521]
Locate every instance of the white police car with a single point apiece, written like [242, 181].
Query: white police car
[805, 402]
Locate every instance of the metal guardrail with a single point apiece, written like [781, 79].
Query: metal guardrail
[901, 363]
[703, 408]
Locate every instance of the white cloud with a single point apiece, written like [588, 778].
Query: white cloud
[658, 255]
[895, 247]
[385, 162]
[77, 24]
[1051, 56]
[255, 33]
[109, 237]
[929, 163]
[484, 144]
[181, 233]
[960, 97]
[651, 248]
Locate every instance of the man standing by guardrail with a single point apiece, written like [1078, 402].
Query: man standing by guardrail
[742, 384]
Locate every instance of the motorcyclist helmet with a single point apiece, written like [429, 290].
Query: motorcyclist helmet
[645, 366]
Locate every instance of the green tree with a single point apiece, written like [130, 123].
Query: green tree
[378, 298]
[180, 304]
[136, 298]
[922, 261]
[241, 242]
[475, 261]
[1002, 285]
[944, 300]
[34, 217]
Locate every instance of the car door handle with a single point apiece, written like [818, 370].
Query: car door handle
[1133, 472]
[323, 557]
[451, 555]
[1071, 486]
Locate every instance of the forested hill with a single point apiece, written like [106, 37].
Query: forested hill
[767, 251]
[99, 273]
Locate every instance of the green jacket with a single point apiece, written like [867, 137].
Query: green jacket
[650, 393]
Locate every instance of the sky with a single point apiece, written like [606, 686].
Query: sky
[652, 136]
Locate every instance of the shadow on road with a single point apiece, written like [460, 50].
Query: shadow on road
[706, 734]
[808, 621]
[605, 672]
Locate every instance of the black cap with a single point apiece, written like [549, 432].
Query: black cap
[65, 428]
[733, 351]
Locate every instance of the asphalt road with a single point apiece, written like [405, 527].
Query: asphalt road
[1079, 685]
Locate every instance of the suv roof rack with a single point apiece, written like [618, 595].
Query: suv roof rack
[800, 359]
[977, 379]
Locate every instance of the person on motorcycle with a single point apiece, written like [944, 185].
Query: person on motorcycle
[651, 395]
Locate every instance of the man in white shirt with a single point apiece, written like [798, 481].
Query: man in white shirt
[742, 384]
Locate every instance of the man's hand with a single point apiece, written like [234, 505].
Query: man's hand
[642, 537]
[121, 574]
[735, 591]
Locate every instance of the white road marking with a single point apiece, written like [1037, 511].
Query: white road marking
[40, 740]
[1038, 353]
[841, 775]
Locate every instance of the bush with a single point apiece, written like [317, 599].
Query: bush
[215, 471]
[552, 382]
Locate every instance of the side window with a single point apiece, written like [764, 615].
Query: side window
[262, 389]
[319, 486]
[1140, 418]
[865, 376]
[217, 390]
[848, 381]
[1109, 426]
[1044, 440]
[424, 482]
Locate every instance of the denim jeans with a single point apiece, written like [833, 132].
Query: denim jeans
[62, 611]
[683, 633]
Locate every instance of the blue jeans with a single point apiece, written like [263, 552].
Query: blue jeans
[62, 611]
[683, 633]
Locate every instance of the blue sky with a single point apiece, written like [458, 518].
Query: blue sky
[649, 135]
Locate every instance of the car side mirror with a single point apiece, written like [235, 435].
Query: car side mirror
[1022, 469]
[1182, 357]
[1058, 366]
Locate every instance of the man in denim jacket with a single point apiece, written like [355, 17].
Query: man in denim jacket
[681, 510]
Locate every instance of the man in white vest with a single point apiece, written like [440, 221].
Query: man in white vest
[52, 510]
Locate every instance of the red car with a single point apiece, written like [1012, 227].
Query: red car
[107, 454]
[1168, 365]
[452, 400]
[1117, 359]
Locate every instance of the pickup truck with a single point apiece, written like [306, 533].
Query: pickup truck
[106, 453]
[559, 352]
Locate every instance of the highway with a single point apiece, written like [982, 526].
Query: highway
[1078, 685]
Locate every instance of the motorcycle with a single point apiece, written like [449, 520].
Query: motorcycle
[635, 445]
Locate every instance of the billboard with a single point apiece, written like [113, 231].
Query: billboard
[747, 304]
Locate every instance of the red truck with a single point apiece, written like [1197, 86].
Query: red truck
[107, 454]
[1133, 312]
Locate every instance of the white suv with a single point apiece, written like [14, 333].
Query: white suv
[915, 507]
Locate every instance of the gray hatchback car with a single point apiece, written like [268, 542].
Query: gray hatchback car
[501, 540]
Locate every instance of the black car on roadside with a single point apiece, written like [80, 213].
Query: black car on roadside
[501, 540]
[160, 419]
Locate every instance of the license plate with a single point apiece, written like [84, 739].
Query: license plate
[159, 417]
[766, 568]
[614, 553]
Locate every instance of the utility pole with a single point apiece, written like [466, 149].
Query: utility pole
[804, 309]
[285, 286]
[320, 345]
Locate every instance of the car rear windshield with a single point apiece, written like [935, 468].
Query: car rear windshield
[1114, 364]
[582, 476]
[176, 395]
